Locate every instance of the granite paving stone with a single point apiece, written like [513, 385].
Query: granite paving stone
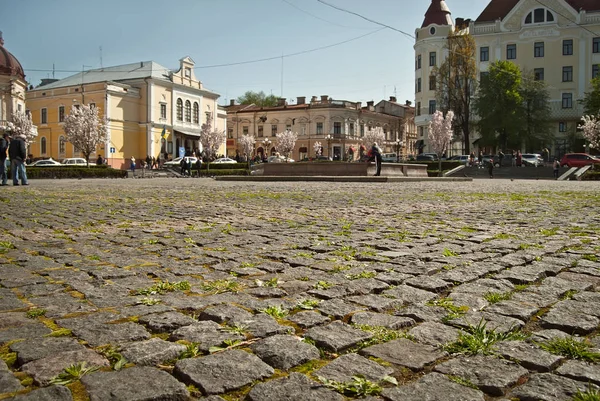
[337, 336]
[206, 333]
[581, 371]
[434, 333]
[105, 333]
[528, 355]
[151, 352]
[381, 319]
[548, 387]
[347, 366]
[38, 348]
[403, 352]
[307, 319]
[433, 387]
[339, 308]
[141, 383]
[8, 381]
[223, 371]
[51, 393]
[45, 369]
[284, 351]
[410, 295]
[294, 387]
[165, 322]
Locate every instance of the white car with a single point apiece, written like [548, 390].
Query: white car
[74, 161]
[279, 159]
[44, 163]
[532, 159]
[224, 160]
[177, 161]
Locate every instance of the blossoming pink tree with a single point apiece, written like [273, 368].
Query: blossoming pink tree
[318, 148]
[591, 130]
[85, 130]
[372, 136]
[247, 142]
[440, 134]
[21, 125]
[286, 141]
[211, 139]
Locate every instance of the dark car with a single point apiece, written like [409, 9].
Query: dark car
[578, 160]
[427, 157]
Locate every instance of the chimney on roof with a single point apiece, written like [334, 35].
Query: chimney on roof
[232, 102]
[46, 81]
[324, 98]
[300, 99]
[370, 105]
[281, 101]
[392, 98]
[459, 22]
[358, 105]
[408, 102]
[313, 99]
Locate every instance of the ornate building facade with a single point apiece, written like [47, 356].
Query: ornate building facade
[12, 84]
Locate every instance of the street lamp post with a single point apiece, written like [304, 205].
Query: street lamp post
[329, 137]
[399, 144]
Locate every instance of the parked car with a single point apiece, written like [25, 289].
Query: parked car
[45, 163]
[224, 160]
[578, 160]
[532, 160]
[279, 159]
[389, 157]
[463, 159]
[74, 161]
[177, 161]
[432, 157]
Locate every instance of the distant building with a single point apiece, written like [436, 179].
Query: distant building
[336, 124]
[12, 84]
[150, 110]
[560, 43]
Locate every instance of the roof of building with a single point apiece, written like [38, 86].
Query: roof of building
[437, 13]
[499, 9]
[9, 65]
[143, 69]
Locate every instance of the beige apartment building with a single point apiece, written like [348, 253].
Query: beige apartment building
[150, 110]
[336, 124]
[558, 40]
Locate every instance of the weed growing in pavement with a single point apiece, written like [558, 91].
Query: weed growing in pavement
[339, 268]
[190, 241]
[304, 255]
[590, 257]
[591, 394]
[521, 287]
[276, 311]
[448, 253]
[363, 274]
[235, 329]
[33, 313]
[271, 283]
[380, 334]
[495, 297]
[221, 286]
[163, 287]
[148, 301]
[462, 381]
[480, 340]
[117, 360]
[308, 304]
[62, 332]
[569, 294]
[245, 265]
[5, 246]
[358, 387]
[191, 351]
[323, 285]
[549, 231]
[73, 373]
[454, 312]
[400, 236]
[571, 348]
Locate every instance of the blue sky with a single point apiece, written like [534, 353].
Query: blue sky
[69, 34]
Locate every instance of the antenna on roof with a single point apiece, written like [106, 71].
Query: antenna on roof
[101, 66]
[52, 70]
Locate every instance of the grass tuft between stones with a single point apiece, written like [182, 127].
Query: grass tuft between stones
[591, 394]
[480, 340]
[571, 348]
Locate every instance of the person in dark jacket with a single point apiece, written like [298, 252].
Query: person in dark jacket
[17, 151]
[376, 152]
[4, 142]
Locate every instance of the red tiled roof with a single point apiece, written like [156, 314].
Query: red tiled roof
[498, 9]
[437, 13]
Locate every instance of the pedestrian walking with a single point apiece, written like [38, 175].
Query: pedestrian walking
[556, 167]
[132, 165]
[376, 152]
[500, 157]
[491, 167]
[99, 161]
[17, 151]
[4, 142]
[199, 165]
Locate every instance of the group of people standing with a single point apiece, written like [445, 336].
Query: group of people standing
[15, 149]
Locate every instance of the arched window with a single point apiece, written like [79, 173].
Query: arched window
[61, 145]
[43, 145]
[196, 113]
[188, 111]
[539, 16]
[179, 110]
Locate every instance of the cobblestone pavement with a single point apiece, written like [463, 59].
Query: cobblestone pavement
[169, 289]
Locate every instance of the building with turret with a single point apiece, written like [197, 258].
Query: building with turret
[12, 84]
[559, 42]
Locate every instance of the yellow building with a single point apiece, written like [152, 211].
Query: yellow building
[336, 124]
[559, 42]
[149, 108]
[12, 84]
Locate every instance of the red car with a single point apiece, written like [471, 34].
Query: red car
[578, 160]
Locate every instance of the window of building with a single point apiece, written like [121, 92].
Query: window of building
[337, 127]
[421, 132]
[61, 114]
[351, 128]
[43, 145]
[261, 131]
[418, 109]
[432, 83]
[484, 54]
[431, 106]
[245, 130]
[596, 45]
[288, 127]
[568, 47]
[567, 74]
[418, 61]
[567, 100]
[538, 74]
[418, 85]
[319, 128]
[179, 110]
[595, 70]
[230, 133]
[538, 49]
[362, 130]
[432, 59]
[511, 51]
[196, 113]
[538, 16]
[188, 72]
[562, 126]
[188, 111]
[273, 129]
[163, 110]
[44, 116]
[19, 107]
[61, 145]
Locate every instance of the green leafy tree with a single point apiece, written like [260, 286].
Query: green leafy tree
[258, 98]
[591, 100]
[498, 105]
[535, 112]
[456, 81]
